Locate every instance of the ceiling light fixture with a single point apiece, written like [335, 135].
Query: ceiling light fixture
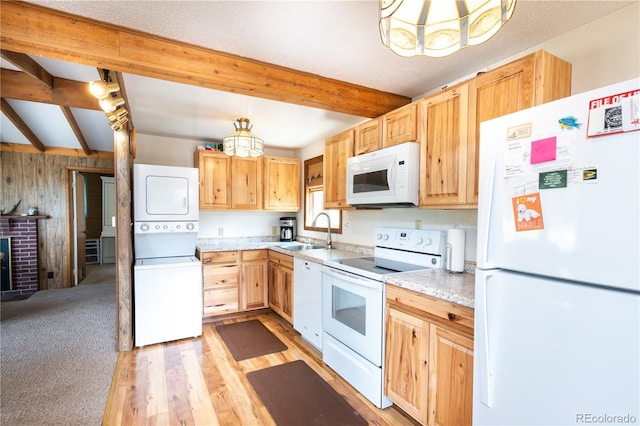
[242, 142]
[110, 103]
[440, 27]
[101, 89]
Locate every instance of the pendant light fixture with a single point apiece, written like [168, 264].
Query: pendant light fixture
[242, 142]
[440, 27]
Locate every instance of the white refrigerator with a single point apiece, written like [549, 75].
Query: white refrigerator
[557, 310]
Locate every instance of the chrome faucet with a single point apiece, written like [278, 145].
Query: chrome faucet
[328, 227]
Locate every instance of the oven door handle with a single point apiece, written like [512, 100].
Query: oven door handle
[351, 278]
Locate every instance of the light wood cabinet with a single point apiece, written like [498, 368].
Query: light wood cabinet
[368, 137]
[253, 279]
[281, 285]
[429, 357]
[400, 125]
[246, 183]
[443, 153]
[450, 156]
[215, 179]
[337, 150]
[219, 282]
[282, 184]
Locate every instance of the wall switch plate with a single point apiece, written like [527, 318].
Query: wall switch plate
[418, 224]
[346, 224]
[220, 232]
[274, 230]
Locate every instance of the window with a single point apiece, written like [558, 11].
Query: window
[314, 199]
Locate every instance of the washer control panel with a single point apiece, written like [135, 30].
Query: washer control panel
[165, 227]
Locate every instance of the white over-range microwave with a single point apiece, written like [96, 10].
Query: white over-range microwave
[388, 177]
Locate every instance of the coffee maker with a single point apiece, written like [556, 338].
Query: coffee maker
[287, 229]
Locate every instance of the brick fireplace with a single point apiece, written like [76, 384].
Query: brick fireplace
[23, 237]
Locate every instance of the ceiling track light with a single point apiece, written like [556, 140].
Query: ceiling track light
[101, 89]
[242, 142]
[109, 104]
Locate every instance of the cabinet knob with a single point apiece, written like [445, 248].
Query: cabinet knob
[452, 317]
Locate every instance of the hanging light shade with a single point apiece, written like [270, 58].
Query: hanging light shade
[440, 27]
[242, 142]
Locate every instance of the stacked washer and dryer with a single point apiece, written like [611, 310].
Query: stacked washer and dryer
[167, 300]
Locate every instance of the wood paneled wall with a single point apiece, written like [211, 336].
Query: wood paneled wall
[41, 180]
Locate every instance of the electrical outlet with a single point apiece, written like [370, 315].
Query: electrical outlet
[346, 224]
[220, 232]
[274, 230]
[418, 224]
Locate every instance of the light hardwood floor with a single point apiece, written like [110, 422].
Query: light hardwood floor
[197, 382]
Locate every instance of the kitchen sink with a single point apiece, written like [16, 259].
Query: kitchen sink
[297, 247]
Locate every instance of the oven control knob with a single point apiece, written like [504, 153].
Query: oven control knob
[178, 226]
[165, 227]
[144, 227]
[157, 226]
[419, 241]
[427, 241]
[190, 226]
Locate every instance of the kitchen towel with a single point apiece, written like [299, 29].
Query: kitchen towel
[455, 249]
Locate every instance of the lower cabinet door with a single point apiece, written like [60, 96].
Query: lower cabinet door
[450, 378]
[407, 358]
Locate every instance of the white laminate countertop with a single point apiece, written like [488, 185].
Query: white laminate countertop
[453, 287]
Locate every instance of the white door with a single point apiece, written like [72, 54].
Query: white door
[583, 207]
[553, 352]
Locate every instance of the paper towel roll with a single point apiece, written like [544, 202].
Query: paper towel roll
[455, 249]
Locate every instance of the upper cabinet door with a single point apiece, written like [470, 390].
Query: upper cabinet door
[368, 137]
[246, 186]
[443, 148]
[337, 150]
[400, 126]
[282, 184]
[533, 80]
[215, 179]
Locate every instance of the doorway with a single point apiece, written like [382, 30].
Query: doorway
[87, 233]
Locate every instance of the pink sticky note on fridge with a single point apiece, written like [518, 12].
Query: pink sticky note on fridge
[543, 150]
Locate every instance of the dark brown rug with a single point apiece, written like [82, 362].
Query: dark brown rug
[296, 395]
[249, 339]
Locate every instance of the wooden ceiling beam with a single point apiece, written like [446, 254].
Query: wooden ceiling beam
[76, 129]
[12, 115]
[34, 70]
[29, 66]
[36, 30]
[74, 94]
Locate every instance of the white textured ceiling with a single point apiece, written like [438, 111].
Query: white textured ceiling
[336, 39]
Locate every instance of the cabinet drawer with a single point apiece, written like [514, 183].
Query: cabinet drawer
[219, 257]
[246, 255]
[220, 301]
[281, 259]
[447, 312]
[220, 276]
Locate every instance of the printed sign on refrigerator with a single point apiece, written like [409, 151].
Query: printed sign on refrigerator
[614, 114]
[527, 212]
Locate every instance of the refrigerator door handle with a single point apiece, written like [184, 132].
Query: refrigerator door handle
[484, 215]
[482, 323]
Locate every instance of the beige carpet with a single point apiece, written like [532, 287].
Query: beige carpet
[58, 354]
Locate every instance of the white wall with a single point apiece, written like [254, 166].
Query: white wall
[602, 52]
